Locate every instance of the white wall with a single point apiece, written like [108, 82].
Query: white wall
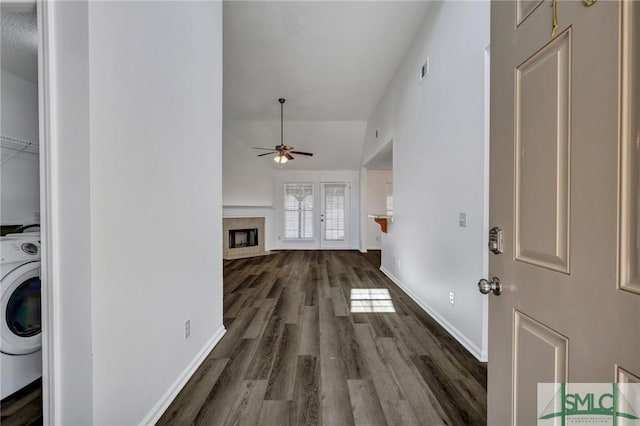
[377, 185]
[315, 177]
[247, 179]
[438, 127]
[156, 135]
[19, 181]
[137, 141]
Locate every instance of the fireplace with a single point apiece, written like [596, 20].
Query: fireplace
[243, 238]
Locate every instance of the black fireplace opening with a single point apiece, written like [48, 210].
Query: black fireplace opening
[243, 238]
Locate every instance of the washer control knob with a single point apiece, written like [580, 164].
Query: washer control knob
[29, 248]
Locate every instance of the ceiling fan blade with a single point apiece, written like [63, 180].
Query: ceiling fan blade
[302, 153]
[289, 156]
[265, 149]
[266, 153]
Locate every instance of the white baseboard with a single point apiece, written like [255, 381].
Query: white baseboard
[156, 412]
[480, 354]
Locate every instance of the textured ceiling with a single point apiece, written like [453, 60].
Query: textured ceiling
[19, 43]
[330, 60]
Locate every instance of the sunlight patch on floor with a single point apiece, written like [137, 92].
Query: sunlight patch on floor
[364, 300]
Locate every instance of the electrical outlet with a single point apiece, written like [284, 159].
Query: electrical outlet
[279, 237]
[463, 220]
[377, 238]
[452, 298]
[187, 329]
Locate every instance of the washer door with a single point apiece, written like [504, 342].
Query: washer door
[21, 318]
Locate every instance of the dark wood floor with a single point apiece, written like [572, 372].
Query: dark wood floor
[24, 407]
[298, 352]
[295, 354]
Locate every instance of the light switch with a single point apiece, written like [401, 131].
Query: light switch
[463, 220]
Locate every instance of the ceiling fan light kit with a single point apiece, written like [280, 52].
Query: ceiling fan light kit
[283, 152]
[280, 159]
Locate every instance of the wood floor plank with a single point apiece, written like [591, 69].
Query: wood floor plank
[350, 352]
[260, 320]
[422, 401]
[365, 404]
[283, 372]
[185, 407]
[276, 289]
[340, 307]
[311, 292]
[410, 333]
[307, 391]
[335, 403]
[27, 415]
[220, 400]
[388, 390]
[379, 324]
[234, 334]
[242, 285]
[260, 366]
[14, 404]
[323, 277]
[266, 284]
[289, 305]
[309, 332]
[248, 403]
[337, 340]
[277, 413]
[461, 409]
[406, 415]
[229, 300]
[242, 301]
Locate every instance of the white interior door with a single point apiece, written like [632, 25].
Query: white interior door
[334, 215]
[565, 191]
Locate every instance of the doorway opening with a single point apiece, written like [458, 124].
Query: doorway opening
[20, 242]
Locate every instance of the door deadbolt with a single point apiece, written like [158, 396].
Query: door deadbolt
[496, 240]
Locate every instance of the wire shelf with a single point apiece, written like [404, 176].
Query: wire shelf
[17, 144]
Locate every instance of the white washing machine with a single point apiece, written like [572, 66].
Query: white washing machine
[20, 328]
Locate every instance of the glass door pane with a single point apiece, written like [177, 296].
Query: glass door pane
[334, 217]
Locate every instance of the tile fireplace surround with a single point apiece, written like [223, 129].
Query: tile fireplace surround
[229, 224]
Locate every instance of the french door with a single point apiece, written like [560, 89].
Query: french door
[334, 215]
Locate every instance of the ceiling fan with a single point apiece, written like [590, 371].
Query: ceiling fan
[283, 152]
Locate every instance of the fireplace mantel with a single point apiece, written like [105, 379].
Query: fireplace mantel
[246, 211]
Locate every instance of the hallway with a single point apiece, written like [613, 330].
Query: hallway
[323, 337]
